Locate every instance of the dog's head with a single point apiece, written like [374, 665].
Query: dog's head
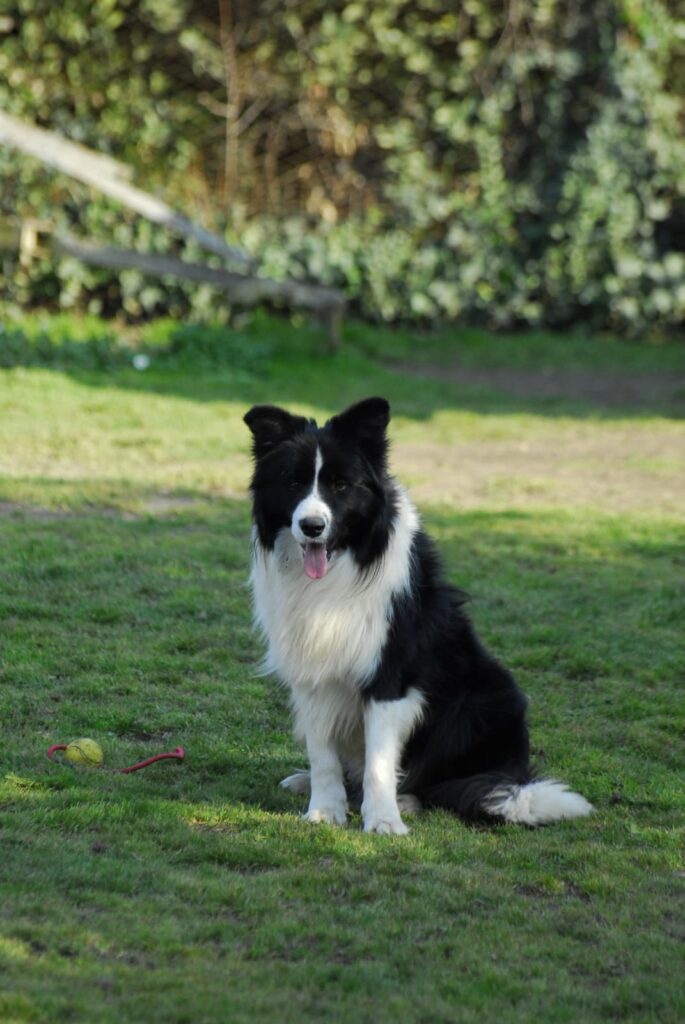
[327, 485]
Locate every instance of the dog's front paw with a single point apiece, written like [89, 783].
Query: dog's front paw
[385, 824]
[328, 815]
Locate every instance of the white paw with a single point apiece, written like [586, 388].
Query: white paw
[329, 815]
[407, 803]
[298, 783]
[385, 824]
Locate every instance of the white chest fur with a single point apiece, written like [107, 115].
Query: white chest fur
[328, 634]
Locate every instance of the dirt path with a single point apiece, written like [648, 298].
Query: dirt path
[603, 389]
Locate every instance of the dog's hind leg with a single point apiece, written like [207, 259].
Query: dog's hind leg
[299, 783]
[407, 803]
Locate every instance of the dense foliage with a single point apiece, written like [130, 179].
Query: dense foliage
[502, 163]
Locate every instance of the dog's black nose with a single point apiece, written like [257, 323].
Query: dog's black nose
[312, 526]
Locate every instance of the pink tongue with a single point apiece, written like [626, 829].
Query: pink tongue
[315, 561]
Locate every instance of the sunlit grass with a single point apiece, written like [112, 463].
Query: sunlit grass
[194, 891]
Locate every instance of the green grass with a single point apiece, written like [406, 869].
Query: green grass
[193, 892]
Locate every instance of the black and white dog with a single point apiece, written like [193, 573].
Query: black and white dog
[391, 689]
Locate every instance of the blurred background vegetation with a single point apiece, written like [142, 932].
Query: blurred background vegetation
[506, 164]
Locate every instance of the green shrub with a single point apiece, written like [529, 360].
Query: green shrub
[484, 162]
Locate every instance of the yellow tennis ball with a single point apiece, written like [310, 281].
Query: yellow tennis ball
[84, 752]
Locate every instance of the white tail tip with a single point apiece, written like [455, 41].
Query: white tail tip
[537, 803]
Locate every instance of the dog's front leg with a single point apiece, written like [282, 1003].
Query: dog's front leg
[328, 801]
[387, 725]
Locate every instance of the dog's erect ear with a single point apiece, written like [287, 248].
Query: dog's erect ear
[364, 425]
[271, 426]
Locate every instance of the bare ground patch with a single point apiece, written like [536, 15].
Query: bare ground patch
[614, 466]
[161, 505]
[16, 509]
[664, 392]
[608, 469]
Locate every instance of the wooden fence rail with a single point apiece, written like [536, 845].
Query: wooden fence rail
[112, 178]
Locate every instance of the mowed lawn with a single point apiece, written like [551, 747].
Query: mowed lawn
[193, 892]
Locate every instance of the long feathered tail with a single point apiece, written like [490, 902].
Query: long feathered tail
[496, 796]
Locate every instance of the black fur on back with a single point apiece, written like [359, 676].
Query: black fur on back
[473, 736]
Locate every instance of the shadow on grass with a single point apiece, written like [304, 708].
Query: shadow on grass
[332, 382]
[277, 362]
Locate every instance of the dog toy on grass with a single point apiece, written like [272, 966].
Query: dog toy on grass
[86, 753]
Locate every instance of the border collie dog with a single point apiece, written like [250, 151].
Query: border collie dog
[392, 692]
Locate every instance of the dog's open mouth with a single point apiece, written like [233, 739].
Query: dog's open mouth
[316, 559]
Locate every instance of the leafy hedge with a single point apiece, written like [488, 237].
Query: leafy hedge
[487, 162]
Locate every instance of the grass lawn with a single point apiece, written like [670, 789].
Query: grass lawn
[193, 892]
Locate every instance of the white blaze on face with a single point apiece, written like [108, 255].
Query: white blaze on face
[313, 507]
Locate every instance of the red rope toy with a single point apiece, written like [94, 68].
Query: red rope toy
[178, 754]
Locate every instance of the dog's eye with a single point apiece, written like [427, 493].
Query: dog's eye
[340, 485]
[291, 481]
